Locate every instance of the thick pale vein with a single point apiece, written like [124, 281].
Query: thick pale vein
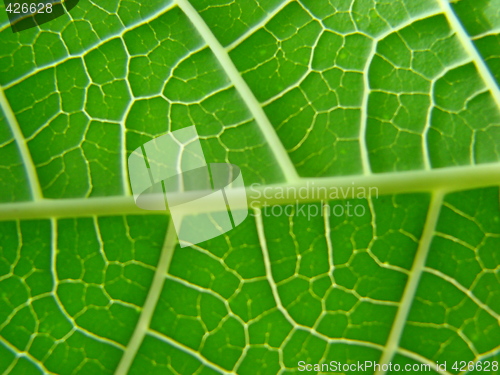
[123, 140]
[259, 25]
[151, 301]
[426, 154]
[34, 183]
[446, 179]
[469, 47]
[331, 264]
[366, 94]
[189, 351]
[23, 354]
[490, 353]
[465, 291]
[269, 272]
[365, 158]
[417, 269]
[267, 129]
[493, 32]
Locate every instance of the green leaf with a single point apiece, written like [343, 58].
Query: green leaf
[400, 99]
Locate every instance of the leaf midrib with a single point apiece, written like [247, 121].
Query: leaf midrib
[392, 344]
[281, 156]
[471, 50]
[151, 302]
[450, 179]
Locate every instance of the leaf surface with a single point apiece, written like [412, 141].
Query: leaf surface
[399, 96]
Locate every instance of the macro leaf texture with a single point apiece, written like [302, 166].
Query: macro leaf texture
[399, 96]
